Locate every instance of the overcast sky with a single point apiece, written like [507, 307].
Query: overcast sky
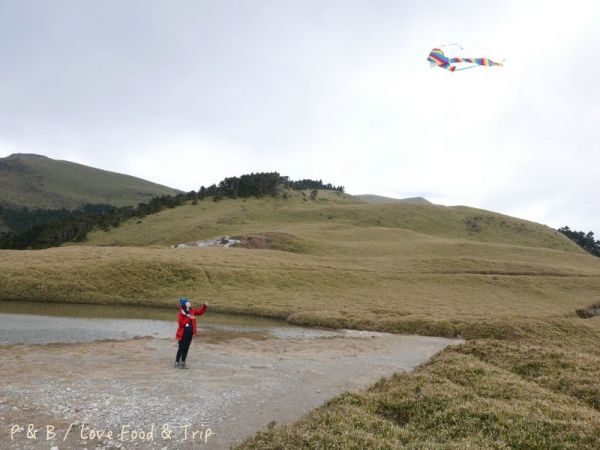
[185, 93]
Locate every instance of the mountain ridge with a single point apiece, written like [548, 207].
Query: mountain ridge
[373, 198]
[37, 181]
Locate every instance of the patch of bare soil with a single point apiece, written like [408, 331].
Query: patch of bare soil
[263, 241]
[269, 241]
[589, 312]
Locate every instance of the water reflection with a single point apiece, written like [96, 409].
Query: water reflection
[33, 322]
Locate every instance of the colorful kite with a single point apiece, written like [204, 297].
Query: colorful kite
[438, 58]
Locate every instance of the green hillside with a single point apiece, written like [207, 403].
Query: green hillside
[311, 221]
[39, 182]
[369, 198]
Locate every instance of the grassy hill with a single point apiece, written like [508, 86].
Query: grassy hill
[312, 220]
[526, 377]
[369, 198]
[39, 182]
[333, 261]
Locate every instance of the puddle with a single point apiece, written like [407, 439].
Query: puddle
[43, 323]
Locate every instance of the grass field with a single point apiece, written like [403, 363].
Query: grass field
[526, 378]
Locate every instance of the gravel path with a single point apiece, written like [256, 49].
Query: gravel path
[235, 387]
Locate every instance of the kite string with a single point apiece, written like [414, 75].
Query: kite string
[465, 68]
[450, 45]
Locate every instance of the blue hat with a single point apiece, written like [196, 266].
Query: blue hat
[183, 301]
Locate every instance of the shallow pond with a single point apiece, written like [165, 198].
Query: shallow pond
[42, 323]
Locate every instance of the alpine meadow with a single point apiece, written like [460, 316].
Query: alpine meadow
[525, 378]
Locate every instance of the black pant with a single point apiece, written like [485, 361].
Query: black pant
[184, 346]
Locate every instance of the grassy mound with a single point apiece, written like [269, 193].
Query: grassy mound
[331, 211]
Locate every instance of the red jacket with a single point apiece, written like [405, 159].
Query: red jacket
[184, 320]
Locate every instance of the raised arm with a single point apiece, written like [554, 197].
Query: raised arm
[199, 311]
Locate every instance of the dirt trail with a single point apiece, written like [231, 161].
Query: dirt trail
[235, 386]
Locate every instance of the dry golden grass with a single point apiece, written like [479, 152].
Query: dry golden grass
[409, 292]
[399, 267]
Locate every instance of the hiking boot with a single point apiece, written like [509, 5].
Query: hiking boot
[183, 366]
[176, 365]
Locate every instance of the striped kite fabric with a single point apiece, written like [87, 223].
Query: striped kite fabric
[437, 57]
[478, 61]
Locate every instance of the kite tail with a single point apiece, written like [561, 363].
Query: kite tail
[448, 67]
[478, 61]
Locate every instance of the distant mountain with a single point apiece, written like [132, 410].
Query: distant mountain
[381, 199]
[37, 181]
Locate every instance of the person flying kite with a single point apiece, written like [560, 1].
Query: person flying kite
[438, 58]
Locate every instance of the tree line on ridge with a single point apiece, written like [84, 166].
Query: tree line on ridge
[44, 228]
